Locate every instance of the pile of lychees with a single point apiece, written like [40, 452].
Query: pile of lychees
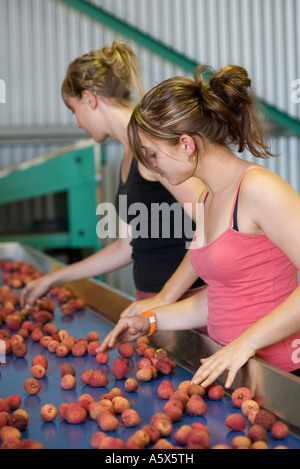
[113, 409]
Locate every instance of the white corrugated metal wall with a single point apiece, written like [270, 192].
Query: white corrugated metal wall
[39, 38]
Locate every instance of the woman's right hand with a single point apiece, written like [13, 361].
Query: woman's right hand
[35, 290]
[127, 330]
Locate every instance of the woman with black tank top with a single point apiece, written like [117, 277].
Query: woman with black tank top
[101, 88]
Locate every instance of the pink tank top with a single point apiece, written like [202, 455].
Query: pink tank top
[247, 277]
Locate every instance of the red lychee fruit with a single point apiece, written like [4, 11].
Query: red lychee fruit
[17, 421]
[181, 396]
[126, 350]
[152, 432]
[145, 374]
[120, 367]
[163, 423]
[199, 438]
[97, 439]
[195, 389]
[79, 349]
[85, 376]
[98, 379]
[102, 357]
[38, 371]
[257, 433]
[48, 412]
[241, 441]
[93, 347]
[95, 408]
[9, 432]
[36, 334]
[259, 445]
[19, 349]
[85, 400]
[13, 321]
[45, 341]
[265, 419]
[143, 437]
[67, 369]
[163, 443]
[62, 351]
[79, 303]
[251, 416]
[32, 386]
[62, 409]
[249, 406]
[236, 422]
[22, 412]
[93, 336]
[107, 421]
[11, 443]
[14, 401]
[131, 385]
[68, 382]
[3, 419]
[240, 395]
[140, 349]
[196, 405]
[120, 404]
[279, 430]
[181, 435]
[143, 362]
[165, 389]
[4, 405]
[200, 426]
[75, 413]
[28, 443]
[40, 360]
[130, 418]
[163, 367]
[173, 409]
[216, 393]
[149, 352]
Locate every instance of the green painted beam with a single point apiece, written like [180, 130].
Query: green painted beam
[50, 176]
[39, 241]
[72, 172]
[98, 14]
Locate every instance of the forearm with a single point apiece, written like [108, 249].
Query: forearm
[182, 279]
[108, 259]
[190, 313]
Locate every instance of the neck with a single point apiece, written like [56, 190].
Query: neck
[117, 118]
[218, 167]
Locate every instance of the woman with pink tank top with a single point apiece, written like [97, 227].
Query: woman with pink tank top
[247, 242]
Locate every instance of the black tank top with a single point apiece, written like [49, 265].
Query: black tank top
[161, 230]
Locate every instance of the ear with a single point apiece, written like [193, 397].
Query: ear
[188, 144]
[90, 99]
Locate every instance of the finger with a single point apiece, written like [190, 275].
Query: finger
[104, 344]
[231, 377]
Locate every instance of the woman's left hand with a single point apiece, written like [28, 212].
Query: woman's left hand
[229, 358]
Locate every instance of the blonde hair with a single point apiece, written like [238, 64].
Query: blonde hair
[223, 111]
[111, 72]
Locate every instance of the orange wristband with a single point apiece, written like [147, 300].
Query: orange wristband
[152, 319]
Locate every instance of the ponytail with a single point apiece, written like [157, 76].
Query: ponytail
[222, 110]
[110, 72]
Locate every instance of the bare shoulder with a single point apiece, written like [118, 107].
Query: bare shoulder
[261, 183]
[267, 198]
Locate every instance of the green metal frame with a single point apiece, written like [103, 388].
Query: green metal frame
[72, 172]
[98, 14]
